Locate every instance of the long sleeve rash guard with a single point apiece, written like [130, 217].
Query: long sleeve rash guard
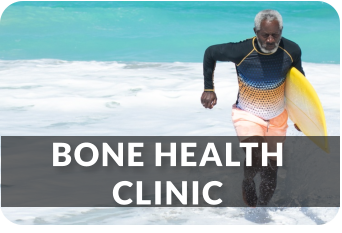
[261, 76]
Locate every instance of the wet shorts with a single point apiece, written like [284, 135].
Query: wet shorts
[247, 125]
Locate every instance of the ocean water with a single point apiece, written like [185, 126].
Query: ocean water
[156, 31]
[134, 69]
[78, 98]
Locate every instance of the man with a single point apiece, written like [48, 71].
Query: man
[262, 63]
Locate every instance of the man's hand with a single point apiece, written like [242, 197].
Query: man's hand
[297, 128]
[208, 99]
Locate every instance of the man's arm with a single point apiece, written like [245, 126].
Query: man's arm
[222, 52]
[297, 128]
[297, 61]
[296, 54]
[208, 99]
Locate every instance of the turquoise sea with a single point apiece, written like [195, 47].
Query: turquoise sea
[156, 31]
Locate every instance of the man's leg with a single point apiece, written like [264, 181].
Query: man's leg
[269, 174]
[246, 124]
[248, 186]
[249, 194]
[268, 182]
[276, 133]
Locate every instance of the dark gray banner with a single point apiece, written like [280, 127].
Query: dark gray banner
[193, 171]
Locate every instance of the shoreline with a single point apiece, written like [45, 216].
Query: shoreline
[123, 62]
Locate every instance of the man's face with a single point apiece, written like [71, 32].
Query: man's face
[268, 36]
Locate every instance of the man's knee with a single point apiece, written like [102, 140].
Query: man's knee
[258, 139]
[255, 139]
[256, 151]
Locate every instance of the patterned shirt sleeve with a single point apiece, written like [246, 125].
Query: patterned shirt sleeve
[233, 52]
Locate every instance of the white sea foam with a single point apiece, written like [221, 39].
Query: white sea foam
[54, 97]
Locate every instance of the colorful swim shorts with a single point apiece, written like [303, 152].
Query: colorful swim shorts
[247, 124]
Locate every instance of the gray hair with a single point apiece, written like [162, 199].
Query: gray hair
[269, 15]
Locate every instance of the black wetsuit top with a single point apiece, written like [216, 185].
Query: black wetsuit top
[261, 76]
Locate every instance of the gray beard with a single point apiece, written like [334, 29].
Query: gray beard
[268, 51]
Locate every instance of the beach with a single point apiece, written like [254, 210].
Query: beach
[113, 69]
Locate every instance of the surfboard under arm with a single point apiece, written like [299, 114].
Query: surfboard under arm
[305, 108]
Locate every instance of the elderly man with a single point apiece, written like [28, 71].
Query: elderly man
[262, 63]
